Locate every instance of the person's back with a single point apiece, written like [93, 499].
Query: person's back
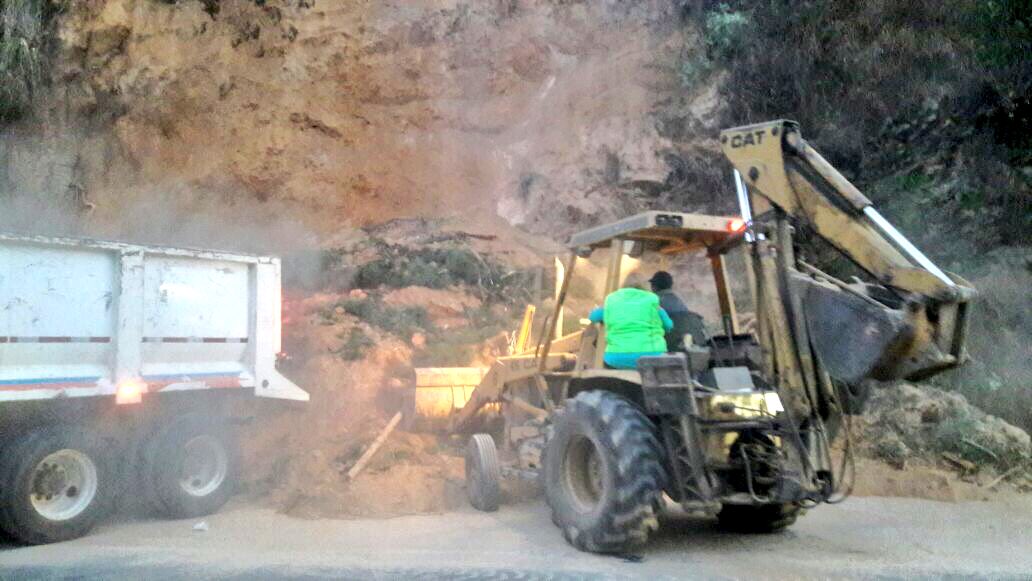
[633, 322]
[686, 321]
[635, 326]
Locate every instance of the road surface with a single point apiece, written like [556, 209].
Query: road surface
[864, 537]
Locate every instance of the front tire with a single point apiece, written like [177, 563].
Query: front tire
[483, 473]
[603, 473]
[57, 482]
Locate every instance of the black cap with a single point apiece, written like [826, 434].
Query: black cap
[662, 280]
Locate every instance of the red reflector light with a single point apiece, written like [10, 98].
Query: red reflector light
[735, 225]
[130, 391]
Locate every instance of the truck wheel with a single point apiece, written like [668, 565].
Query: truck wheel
[57, 483]
[766, 518]
[483, 475]
[603, 473]
[146, 490]
[192, 467]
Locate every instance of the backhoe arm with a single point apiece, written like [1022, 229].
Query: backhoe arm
[782, 170]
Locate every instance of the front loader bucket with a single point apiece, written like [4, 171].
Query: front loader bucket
[441, 391]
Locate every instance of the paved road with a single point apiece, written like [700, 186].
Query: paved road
[865, 537]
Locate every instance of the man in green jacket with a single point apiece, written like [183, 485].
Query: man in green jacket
[635, 324]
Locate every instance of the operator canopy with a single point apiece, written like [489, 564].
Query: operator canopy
[665, 232]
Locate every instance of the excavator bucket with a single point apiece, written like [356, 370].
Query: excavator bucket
[850, 334]
[856, 337]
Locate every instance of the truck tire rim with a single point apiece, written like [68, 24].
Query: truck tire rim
[582, 474]
[63, 485]
[204, 467]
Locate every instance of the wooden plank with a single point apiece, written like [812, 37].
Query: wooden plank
[374, 447]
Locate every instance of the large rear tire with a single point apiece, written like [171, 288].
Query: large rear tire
[603, 473]
[483, 473]
[57, 482]
[192, 467]
[761, 519]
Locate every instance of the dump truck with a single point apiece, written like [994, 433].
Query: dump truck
[122, 371]
[738, 424]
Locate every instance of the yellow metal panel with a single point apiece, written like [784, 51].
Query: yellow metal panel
[442, 390]
[523, 338]
[447, 376]
[724, 297]
[755, 150]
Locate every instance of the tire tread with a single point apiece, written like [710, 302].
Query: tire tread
[482, 450]
[638, 473]
[18, 457]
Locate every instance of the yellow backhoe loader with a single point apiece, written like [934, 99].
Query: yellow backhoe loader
[741, 426]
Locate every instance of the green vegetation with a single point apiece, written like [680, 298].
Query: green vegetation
[1004, 32]
[375, 264]
[884, 88]
[402, 322]
[722, 29]
[444, 347]
[399, 266]
[887, 89]
[354, 346]
[24, 34]
[971, 440]
[892, 449]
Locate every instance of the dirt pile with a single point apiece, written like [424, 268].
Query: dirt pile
[353, 343]
[915, 425]
[297, 458]
[410, 474]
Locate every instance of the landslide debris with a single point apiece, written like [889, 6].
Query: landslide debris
[353, 343]
[908, 424]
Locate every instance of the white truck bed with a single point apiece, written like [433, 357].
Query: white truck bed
[82, 318]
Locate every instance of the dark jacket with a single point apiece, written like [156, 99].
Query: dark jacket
[685, 321]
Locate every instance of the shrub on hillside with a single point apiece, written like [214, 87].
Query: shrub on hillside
[864, 78]
[399, 266]
[24, 25]
[399, 321]
[723, 33]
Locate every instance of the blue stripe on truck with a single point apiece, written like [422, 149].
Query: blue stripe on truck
[49, 380]
[46, 380]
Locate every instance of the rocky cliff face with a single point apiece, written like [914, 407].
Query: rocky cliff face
[546, 113]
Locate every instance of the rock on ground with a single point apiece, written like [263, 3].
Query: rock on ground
[906, 421]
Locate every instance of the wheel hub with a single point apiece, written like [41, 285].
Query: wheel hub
[204, 466]
[583, 474]
[50, 480]
[63, 485]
